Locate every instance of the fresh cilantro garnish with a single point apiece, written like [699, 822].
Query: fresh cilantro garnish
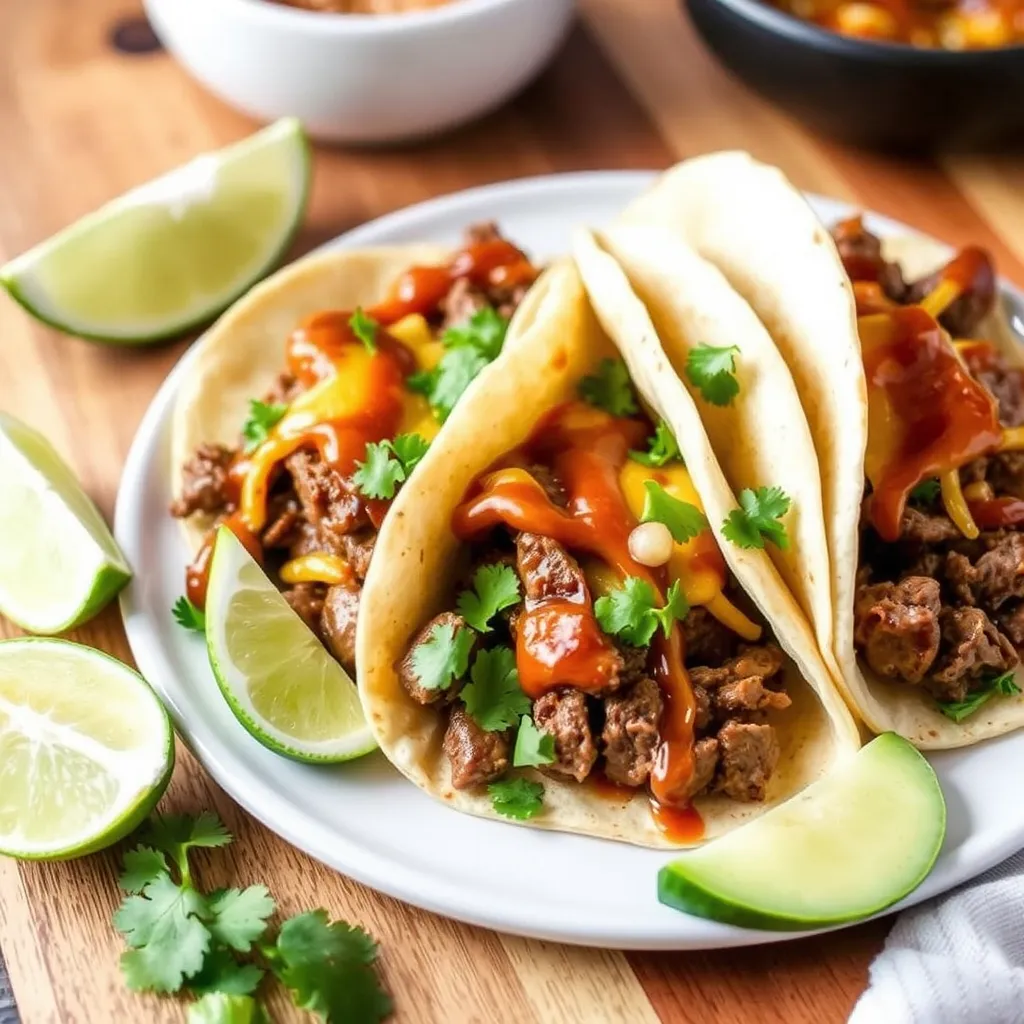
[610, 388]
[1003, 686]
[712, 371]
[328, 967]
[263, 417]
[494, 699]
[925, 493]
[661, 448]
[469, 348]
[684, 521]
[223, 973]
[443, 657]
[388, 463]
[224, 1008]
[494, 587]
[517, 798]
[364, 328]
[629, 611]
[188, 616]
[533, 747]
[756, 521]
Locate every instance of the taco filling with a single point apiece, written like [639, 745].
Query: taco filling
[940, 586]
[322, 454]
[592, 637]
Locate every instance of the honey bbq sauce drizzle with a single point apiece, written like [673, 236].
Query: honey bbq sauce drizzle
[559, 642]
[323, 348]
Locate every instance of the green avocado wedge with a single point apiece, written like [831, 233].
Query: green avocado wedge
[845, 848]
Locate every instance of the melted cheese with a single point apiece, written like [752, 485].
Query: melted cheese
[316, 568]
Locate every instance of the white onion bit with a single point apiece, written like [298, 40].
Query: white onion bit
[650, 544]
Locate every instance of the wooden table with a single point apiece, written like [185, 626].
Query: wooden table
[80, 123]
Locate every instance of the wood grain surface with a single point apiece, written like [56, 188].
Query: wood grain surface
[79, 123]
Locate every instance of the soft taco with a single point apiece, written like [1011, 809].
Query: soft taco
[556, 629]
[913, 386]
[314, 398]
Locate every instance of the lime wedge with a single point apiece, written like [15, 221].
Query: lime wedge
[846, 847]
[86, 749]
[59, 564]
[174, 252]
[279, 680]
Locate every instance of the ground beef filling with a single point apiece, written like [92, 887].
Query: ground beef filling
[616, 730]
[313, 508]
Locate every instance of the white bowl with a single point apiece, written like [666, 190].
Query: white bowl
[363, 78]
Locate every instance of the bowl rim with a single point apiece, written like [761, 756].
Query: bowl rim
[796, 29]
[335, 23]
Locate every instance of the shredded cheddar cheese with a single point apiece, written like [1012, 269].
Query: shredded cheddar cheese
[316, 568]
[956, 504]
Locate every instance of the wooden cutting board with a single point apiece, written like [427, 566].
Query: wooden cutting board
[80, 123]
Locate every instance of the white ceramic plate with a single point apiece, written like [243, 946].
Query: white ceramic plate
[364, 819]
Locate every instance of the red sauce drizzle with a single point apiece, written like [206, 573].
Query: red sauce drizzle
[927, 414]
[565, 645]
[996, 513]
[681, 825]
[605, 788]
[197, 575]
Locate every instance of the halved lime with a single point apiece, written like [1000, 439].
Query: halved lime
[59, 564]
[846, 847]
[279, 680]
[174, 252]
[86, 749]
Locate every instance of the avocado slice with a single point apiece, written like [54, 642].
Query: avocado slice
[848, 846]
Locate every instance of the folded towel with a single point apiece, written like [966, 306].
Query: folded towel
[957, 958]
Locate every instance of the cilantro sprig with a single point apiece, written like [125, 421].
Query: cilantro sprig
[388, 463]
[517, 798]
[263, 417]
[468, 349]
[364, 327]
[712, 371]
[756, 521]
[188, 616]
[630, 612]
[925, 493]
[217, 945]
[494, 587]
[661, 448]
[494, 699]
[443, 657]
[533, 746]
[684, 521]
[1000, 686]
[610, 388]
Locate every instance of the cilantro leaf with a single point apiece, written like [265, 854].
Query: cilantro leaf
[684, 521]
[221, 972]
[494, 698]
[239, 916]
[610, 388]
[176, 834]
[661, 448]
[494, 587]
[188, 616]
[223, 1008]
[712, 372]
[142, 866]
[517, 798]
[756, 521]
[443, 657]
[925, 493]
[1002, 685]
[328, 967]
[626, 611]
[380, 474]
[263, 417]
[676, 607]
[469, 348]
[409, 449]
[164, 926]
[364, 328]
[533, 747]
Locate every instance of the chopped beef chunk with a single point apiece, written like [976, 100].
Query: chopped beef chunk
[634, 663]
[283, 391]
[971, 647]
[512, 616]
[462, 301]
[307, 600]
[548, 570]
[563, 715]
[975, 472]
[1007, 387]
[1006, 470]
[304, 539]
[1011, 622]
[476, 756]
[763, 661]
[927, 563]
[358, 550]
[706, 640]
[999, 573]
[927, 527]
[705, 761]
[630, 736]
[702, 704]
[861, 253]
[328, 500]
[962, 316]
[748, 754]
[960, 577]
[550, 483]
[206, 483]
[407, 673]
[747, 694]
[896, 626]
[338, 622]
[283, 517]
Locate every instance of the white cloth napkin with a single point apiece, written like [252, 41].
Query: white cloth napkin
[957, 959]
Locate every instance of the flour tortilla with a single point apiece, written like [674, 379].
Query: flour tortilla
[418, 559]
[755, 226]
